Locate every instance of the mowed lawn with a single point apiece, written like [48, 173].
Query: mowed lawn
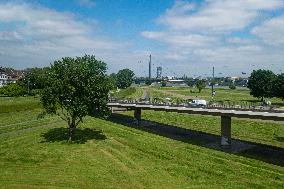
[34, 153]
[235, 96]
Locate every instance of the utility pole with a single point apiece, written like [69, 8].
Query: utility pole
[150, 67]
[212, 85]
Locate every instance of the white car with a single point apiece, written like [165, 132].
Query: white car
[198, 103]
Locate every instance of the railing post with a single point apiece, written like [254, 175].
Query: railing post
[137, 115]
[225, 131]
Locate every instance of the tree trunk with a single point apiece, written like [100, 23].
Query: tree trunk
[262, 99]
[72, 128]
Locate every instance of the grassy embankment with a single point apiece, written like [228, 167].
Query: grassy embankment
[130, 92]
[222, 95]
[34, 153]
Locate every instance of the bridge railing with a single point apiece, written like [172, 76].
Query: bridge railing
[183, 103]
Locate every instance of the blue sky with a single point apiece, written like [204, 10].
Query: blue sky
[183, 36]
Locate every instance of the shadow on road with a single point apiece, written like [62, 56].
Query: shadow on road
[270, 154]
[81, 136]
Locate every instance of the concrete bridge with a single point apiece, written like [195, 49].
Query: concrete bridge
[226, 116]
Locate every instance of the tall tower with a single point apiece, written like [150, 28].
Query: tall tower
[159, 72]
[150, 68]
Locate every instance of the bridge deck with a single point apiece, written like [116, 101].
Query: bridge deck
[202, 111]
[225, 115]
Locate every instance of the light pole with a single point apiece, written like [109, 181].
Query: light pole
[212, 84]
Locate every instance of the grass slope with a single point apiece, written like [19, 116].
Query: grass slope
[130, 92]
[35, 154]
[235, 96]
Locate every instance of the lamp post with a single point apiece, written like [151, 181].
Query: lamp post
[212, 84]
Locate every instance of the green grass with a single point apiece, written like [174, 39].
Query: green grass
[249, 130]
[228, 95]
[14, 104]
[35, 154]
[130, 92]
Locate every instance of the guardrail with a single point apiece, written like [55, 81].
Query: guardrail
[229, 106]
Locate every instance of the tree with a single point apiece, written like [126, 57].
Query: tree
[75, 88]
[260, 83]
[232, 85]
[113, 81]
[278, 86]
[148, 81]
[124, 78]
[12, 89]
[200, 84]
[35, 78]
[190, 82]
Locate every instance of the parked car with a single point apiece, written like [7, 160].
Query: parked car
[198, 103]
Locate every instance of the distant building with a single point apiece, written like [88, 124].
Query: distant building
[12, 79]
[159, 72]
[176, 82]
[3, 79]
[170, 77]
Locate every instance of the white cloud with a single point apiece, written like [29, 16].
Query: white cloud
[238, 40]
[271, 31]
[180, 40]
[216, 15]
[214, 33]
[10, 36]
[40, 35]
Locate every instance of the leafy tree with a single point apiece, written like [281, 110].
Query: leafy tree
[113, 80]
[13, 89]
[36, 77]
[190, 82]
[148, 81]
[260, 83]
[137, 80]
[76, 87]
[278, 86]
[232, 85]
[124, 78]
[34, 80]
[200, 84]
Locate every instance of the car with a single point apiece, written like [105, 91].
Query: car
[198, 102]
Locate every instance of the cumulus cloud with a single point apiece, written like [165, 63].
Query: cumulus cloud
[271, 31]
[40, 35]
[217, 33]
[180, 40]
[216, 15]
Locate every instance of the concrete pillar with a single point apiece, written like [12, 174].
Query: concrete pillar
[137, 115]
[225, 131]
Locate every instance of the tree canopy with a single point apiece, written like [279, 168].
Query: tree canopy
[200, 84]
[190, 82]
[260, 83]
[278, 86]
[124, 78]
[76, 87]
[13, 89]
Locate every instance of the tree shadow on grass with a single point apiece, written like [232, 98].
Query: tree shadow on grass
[280, 139]
[267, 153]
[80, 136]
